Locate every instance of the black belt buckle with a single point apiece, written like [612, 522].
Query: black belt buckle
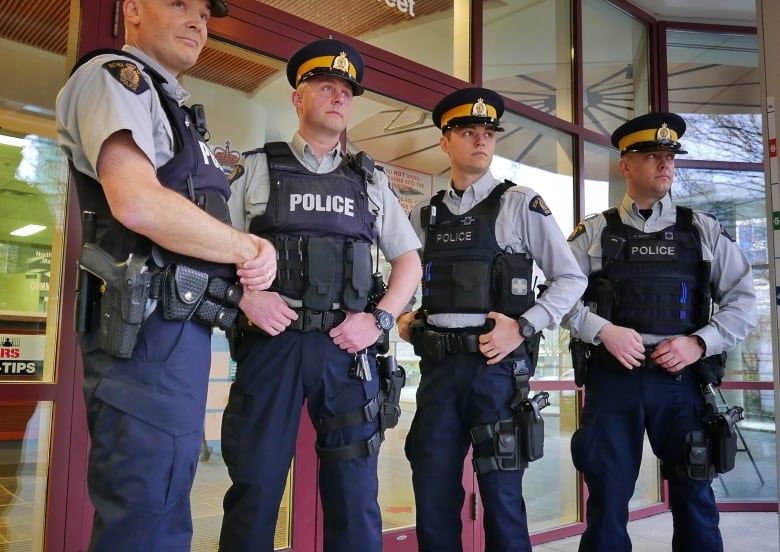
[313, 321]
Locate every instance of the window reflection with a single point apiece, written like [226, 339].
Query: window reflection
[527, 53]
[714, 84]
[616, 66]
[24, 465]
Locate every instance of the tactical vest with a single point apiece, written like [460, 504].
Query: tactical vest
[192, 172]
[322, 228]
[660, 284]
[464, 269]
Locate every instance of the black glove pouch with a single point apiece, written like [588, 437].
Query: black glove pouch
[183, 290]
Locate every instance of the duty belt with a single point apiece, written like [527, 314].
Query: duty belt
[308, 321]
[189, 294]
[432, 344]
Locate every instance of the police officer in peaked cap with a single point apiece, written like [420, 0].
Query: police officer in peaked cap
[326, 57]
[478, 329]
[315, 342]
[650, 345]
[138, 165]
[649, 133]
[469, 106]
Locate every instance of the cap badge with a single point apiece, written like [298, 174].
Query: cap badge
[341, 63]
[663, 133]
[479, 109]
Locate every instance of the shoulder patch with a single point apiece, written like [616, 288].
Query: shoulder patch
[538, 205]
[725, 233]
[128, 74]
[577, 232]
[236, 173]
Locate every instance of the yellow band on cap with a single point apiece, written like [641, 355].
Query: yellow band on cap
[465, 110]
[646, 135]
[324, 62]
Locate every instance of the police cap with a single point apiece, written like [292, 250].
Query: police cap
[326, 57]
[218, 8]
[467, 107]
[651, 132]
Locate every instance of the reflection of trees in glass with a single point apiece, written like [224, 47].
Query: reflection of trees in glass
[736, 137]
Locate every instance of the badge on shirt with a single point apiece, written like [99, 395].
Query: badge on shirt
[577, 232]
[236, 173]
[128, 74]
[539, 206]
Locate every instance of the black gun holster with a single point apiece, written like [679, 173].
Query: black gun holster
[123, 310]
[580, 353]
[392, 379]
[713, 450]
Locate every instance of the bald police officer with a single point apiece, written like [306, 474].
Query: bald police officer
[158, 194]
[654, 270]
[323, 212]
[478, 314]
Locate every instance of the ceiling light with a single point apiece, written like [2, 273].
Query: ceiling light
[11, 141]
[28, 230]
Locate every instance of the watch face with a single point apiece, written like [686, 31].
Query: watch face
[384, 319]
[526, 330]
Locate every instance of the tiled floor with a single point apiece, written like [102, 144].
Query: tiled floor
[742, 531]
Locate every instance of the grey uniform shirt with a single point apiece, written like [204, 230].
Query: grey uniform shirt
[250, 188]
[524, 225]
[93, 105]
[732, 276]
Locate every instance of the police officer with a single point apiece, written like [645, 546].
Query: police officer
[315, 338]
[654, 268]
[140, 168]
[471, 334]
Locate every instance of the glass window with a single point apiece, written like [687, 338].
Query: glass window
[32, 204]
[527, 53]
[616, 66]
[434, 33]
[550, 486]
[714, 84]
[24, 445]
[754, 477]
[737, 199]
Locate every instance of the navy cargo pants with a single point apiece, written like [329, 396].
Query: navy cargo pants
[145, 418]
[454, 396]
[259, 432]
[620, 405]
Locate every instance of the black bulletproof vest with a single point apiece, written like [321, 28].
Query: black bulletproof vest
[192, 171]
[464, 269]
[658, 277]
[322, 227]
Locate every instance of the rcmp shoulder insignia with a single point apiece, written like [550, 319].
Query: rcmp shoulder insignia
[577, 232]
[236, 173]
[128, 74]
[538, 205]
[725, 233]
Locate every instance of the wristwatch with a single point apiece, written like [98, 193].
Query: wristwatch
[384, 319]
[526, 329]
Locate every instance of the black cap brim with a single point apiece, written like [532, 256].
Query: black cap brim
[655, 145]
[219, 8]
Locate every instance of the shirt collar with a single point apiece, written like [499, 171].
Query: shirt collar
[171, 85]
[477, 191]
[305, 155]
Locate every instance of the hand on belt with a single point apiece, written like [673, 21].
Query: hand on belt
[308, 321]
